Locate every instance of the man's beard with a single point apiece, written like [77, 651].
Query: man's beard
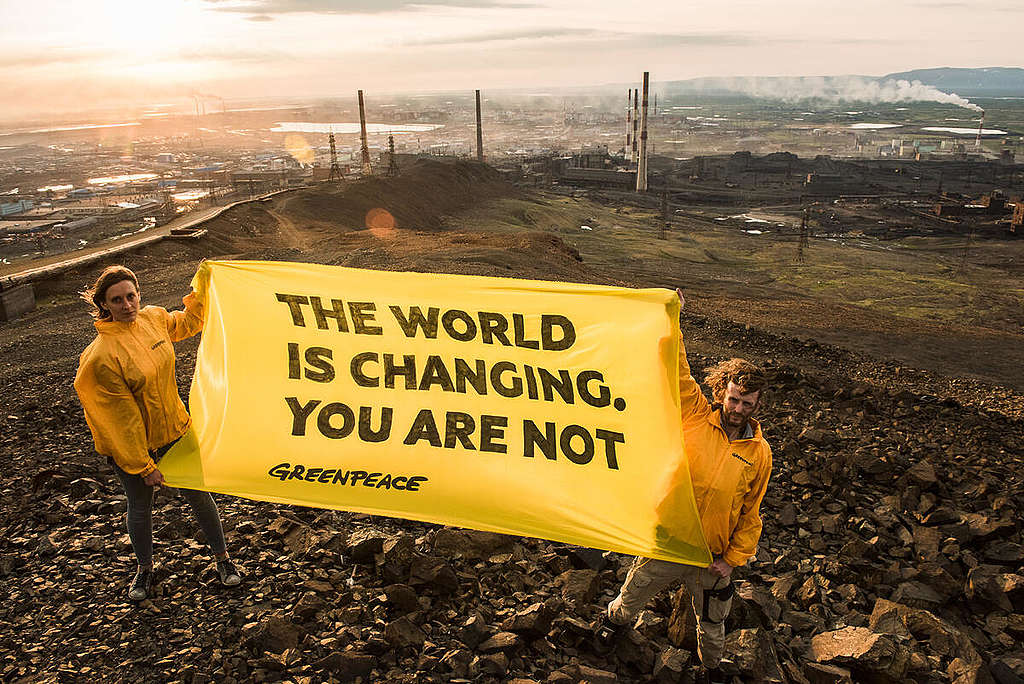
[736, 420]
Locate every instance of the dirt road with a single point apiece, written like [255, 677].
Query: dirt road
[53, 263]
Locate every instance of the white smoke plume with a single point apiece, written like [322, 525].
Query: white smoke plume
[836, 89]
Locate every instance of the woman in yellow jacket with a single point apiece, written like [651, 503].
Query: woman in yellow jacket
[127, 387]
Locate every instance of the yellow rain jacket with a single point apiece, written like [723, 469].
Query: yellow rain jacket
[127, 386]
[729, 478]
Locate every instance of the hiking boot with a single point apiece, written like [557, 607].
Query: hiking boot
[139, 588]
[606, 634]
[229, 576]
[706, 675]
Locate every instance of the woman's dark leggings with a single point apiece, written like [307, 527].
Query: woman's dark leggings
[140, 516]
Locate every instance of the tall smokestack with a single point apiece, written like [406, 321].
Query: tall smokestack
[641, 167]
[636, 122]
[981, 127]
[362, 136]
[629, 117]
[479, 132]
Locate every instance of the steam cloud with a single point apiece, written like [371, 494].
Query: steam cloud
[836, 89]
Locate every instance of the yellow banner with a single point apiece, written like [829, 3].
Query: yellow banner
[525, 407]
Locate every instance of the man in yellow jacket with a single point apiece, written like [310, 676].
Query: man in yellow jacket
[730, 463]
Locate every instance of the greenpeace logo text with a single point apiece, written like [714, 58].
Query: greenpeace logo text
[337, 476]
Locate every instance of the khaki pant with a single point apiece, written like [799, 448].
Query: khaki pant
[712, 600]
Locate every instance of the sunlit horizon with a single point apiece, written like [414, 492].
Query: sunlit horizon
[61, 58]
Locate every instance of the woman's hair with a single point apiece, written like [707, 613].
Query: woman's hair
[745, 375]
[97, 294]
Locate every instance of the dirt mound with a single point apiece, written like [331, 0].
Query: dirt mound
[291, 224]
[534, 255]
[418, 198]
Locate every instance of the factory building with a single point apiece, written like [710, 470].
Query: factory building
[823, 183]
[992, 204]
[12, 208]
[78, 224]
[593, 157]
[25, 227]
[254, 182]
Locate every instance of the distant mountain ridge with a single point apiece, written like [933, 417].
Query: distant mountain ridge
[985, 82]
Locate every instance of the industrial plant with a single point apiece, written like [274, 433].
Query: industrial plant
[88, 188]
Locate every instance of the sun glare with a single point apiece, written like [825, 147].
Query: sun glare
[134, 31]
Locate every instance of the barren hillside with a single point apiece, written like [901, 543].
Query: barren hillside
[892, 549]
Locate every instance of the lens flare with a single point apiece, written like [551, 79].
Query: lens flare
[380, 222]
[299, 148]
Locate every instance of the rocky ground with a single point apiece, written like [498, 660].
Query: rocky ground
[892, 549]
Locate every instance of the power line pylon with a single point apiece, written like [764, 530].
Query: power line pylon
[479, 132]
[961, 270]
[664, 215]
[335, 169]
[363, 146]
[392, 162]
[804, 242]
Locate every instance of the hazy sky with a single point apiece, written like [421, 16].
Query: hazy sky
[59, 55]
